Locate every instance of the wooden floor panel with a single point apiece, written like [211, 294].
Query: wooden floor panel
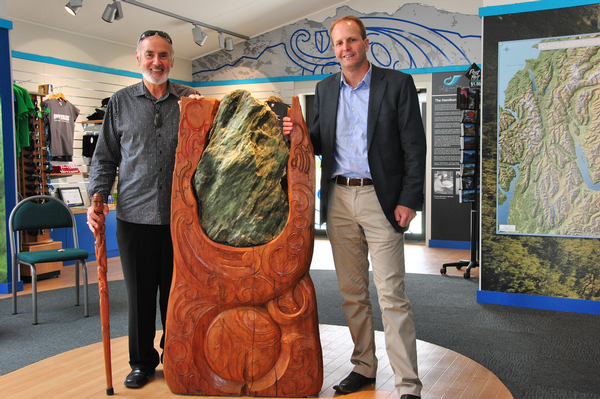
[79, 373]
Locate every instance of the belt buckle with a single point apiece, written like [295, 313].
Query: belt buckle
[362, 181]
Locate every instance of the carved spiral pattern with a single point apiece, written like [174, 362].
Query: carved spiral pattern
[242, 344]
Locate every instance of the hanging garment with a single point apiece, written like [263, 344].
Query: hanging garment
[23, 108]
[62, 128]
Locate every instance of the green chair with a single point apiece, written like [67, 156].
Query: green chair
[44, 212]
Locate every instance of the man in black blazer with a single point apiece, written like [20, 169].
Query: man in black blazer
[368, 129]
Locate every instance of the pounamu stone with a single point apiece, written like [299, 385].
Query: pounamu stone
[238, 181]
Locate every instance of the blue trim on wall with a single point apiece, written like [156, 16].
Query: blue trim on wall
[7, 288]
[73, 64]
[258, 80]
[416, 71]
[450, 244]
[539, 302]
[5, 24]
[532, 6]
[122, 72]
[84, 66]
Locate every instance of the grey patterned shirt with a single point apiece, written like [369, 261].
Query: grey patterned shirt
[143, 153]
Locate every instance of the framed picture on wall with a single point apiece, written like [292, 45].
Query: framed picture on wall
[71, 196]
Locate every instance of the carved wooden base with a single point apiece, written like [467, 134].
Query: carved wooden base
[242, 321]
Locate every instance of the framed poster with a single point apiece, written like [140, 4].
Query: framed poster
[71, 196]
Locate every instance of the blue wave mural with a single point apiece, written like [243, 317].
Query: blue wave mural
[427, 39]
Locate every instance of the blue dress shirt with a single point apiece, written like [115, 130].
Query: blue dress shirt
[350, 156]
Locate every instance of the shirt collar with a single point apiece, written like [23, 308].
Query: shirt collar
[140, 89]
[366, 79]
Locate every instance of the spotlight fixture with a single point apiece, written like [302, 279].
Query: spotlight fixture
[113, 12]
[199, 36]
[73, 6]
[228, 44]
[225, 43]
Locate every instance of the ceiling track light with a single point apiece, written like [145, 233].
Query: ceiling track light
[199, 36]
[225, 43]
[228, 44]
[113, 11]
[73, 6]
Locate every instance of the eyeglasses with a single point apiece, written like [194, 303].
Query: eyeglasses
[150, 33]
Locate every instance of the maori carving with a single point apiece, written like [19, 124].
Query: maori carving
[242, 320]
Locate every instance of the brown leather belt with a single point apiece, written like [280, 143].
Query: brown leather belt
[348, 181]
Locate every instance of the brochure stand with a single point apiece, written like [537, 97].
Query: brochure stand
[468, 101]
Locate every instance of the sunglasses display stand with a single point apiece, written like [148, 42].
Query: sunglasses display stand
[33, 177]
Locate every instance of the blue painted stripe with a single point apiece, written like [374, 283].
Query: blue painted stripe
[258, 80]
[73, 64]
[7, 287]
[137, 75]
[5, 24]
[416, 71]
[84, 66]
[532, 6]
[450, 244]
[539, 302]
[451, 68]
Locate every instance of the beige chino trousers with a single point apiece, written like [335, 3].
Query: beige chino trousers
[356, 226]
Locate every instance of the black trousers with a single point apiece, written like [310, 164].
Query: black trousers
[146, 253]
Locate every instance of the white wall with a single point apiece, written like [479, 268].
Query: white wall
[3, 13]
[48, 42]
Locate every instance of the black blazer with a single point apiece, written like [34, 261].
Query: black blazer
[395, 139]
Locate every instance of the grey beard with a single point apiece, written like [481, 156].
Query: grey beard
[147, 76]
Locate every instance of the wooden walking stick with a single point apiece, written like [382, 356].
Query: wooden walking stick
[100, 245]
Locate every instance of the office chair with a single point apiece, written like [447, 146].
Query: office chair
[43, 212]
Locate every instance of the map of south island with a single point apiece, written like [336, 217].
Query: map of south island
[548, 180]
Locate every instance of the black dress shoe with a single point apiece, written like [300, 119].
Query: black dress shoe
[138, 378]
[353, 383]
[409, 396]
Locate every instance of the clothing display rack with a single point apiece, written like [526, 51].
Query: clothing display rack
[33, 165]
[33, 178]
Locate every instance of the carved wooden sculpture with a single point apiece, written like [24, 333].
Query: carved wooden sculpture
[242, 321]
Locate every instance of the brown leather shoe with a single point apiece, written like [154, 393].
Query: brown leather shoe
[353, 383]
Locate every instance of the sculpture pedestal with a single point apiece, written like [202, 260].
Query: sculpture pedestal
[242, 321]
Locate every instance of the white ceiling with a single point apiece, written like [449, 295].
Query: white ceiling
[247, 17]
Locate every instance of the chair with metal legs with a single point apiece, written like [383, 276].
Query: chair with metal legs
[43, 212]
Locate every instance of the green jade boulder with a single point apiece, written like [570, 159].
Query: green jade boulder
[240, 180]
